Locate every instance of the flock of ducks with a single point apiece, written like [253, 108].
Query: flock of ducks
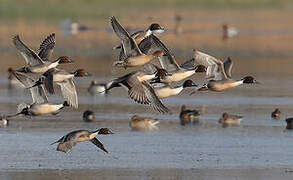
[147, 86]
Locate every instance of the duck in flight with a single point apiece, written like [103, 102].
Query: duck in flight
[65, 80]
[139, 89]
[40, 105]
[219, 73]
[39, 62]
[174, 72]
[71, 139]
[132, 55]
[139, 36]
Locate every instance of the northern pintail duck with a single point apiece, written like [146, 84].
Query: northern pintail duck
[229, 32]
[188, 116]
[39, 62]
[289, 122]
[138, 123]
[165, 90]
[230, 119]
[71, 139]
[3, 121]
[97, 88]
[40, 104]
[139, 36]
[175, 72]
[276, 114]
[220, 73]
[139, 89]
[65, 80]
[88, 116]
[131, 55]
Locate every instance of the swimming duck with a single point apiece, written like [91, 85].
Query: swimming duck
[276, 114]
[139, 89]
[96, 87]
[40, 104]
[4, 121]
[65, 80]
[71, 139]
[141, 35]
[138, 123]
[165, 90]
[188, 116]
[88, 116]
[174, 72]
[230, 119]
[289, 122]
[220, 73]
[131, 56]
[39, 63]
[229, 32]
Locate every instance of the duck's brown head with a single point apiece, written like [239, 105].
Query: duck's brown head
[155, 27]
[200, 68]
[249, 80]
[189, 83]
[161, 73]
[225, 115]
[105, 131]
[64, 60]
[81, 73]
[158, 53]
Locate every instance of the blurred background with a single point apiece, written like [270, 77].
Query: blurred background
[263, 30]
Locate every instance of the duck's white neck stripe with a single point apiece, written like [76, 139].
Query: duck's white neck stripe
[149, 32]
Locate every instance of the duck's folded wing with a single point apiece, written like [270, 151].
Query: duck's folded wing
[130, 48]
[47, 47]
[69, 92]
[96, 142]
[30, 56]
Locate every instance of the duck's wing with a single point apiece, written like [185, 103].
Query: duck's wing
[188, 64]
[65, 146]
[96, 142]
[140, 92]
[130, 48]
[38, 93]
[228, 64]
[152, 44]
[155, 102]
[29, 55]
[150, 68]
[137, 34]
[47, 47]
[48, 80]
[69, 92]
[215, 68]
